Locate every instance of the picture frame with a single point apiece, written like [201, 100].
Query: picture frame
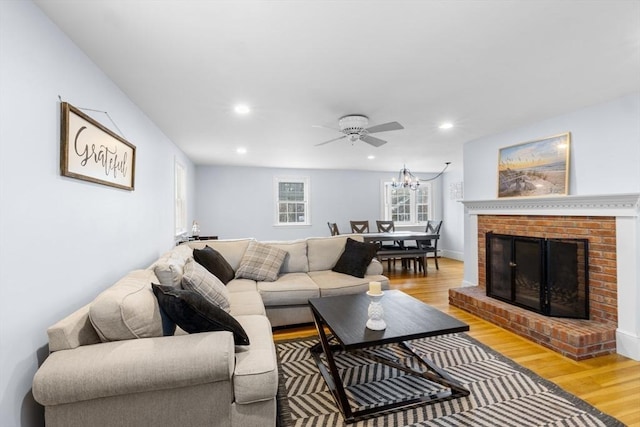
[538, 168]
[91, 152]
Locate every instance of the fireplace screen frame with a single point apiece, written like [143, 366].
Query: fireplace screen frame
[540, 255]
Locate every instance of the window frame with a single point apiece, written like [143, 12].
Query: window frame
[180, 199]
[305, 181]
[387, 189]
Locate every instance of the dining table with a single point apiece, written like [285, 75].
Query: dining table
[404, 253]
[398, 236]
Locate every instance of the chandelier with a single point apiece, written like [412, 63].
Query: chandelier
[408, 180]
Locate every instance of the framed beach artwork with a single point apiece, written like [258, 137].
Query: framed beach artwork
[91, 152]
[535, 168]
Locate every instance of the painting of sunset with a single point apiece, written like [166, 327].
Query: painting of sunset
[535, 168]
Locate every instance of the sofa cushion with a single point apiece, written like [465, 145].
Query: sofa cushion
[243, 303]
[261, 262]
[255, 377]
[331, 283]
[196, 278]
[242, 285]
[193, 313]
[296, 260]
[355, 258]
[128, 309]
[215, 263]
[291, 288]
[324, 252]
[231, 250]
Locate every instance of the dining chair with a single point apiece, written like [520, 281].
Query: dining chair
[333, 228]
[387, 227]
[359, 226]
[431, 245]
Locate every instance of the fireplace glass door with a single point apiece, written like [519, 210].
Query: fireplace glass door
[528, 272]
[548, 276]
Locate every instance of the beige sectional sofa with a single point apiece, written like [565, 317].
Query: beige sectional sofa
[110, 364]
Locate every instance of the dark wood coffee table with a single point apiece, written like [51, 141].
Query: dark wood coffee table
[406, 317]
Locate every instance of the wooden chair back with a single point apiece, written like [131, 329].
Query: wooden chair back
[359, 226]
[385, 226]
[333, 228]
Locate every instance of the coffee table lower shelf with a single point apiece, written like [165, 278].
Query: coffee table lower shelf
[334, 381]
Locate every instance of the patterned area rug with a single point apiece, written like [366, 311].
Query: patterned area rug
[503, 393]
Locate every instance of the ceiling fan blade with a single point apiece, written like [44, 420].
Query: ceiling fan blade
[331, 140]
[385, 127]
[325, 127]
[376, 142]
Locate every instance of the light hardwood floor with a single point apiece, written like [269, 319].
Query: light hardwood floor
[610, 383]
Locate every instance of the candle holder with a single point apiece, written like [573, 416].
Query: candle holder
[375, 312]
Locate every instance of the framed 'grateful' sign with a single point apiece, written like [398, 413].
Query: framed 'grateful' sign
[91, 152]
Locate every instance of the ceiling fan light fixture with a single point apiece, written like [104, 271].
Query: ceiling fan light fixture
[353, 124]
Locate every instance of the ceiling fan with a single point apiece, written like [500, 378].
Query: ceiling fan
[354, 128]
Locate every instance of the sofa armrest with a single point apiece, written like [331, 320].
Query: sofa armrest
[134, 366]
[73, 331]
[374, 268]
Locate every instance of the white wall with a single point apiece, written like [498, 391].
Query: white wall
[452, 233]
[604, 152]
[604, 160]
[338, 196]
[604, 157]
[63, 240]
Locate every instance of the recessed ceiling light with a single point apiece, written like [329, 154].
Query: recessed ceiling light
[241, 150]
[446, 125]
[371, 157]
[242, 109]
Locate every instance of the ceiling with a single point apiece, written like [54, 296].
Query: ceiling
[486, 66]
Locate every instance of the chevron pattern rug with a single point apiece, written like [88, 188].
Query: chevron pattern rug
[503, 393]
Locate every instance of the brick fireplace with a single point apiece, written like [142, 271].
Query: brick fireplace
[610, 223]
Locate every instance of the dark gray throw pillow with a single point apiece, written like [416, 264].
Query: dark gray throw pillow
[215, 263]
[194, 314]
[356, 258]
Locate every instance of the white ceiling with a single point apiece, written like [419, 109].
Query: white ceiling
[486, 65]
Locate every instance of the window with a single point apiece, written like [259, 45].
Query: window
[180, 199]
[292, 201]
[405, 206]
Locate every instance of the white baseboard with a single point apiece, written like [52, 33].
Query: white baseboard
[627, 345]
[459, 256]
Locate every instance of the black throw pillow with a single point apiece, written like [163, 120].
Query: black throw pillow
[355, 258]
[194, 314]
[215, 263]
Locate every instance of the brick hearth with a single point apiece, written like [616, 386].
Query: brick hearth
[577, 339]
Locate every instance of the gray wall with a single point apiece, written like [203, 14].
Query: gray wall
[234, 202]
[62, 241]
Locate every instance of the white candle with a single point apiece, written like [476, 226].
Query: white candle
[375, 288]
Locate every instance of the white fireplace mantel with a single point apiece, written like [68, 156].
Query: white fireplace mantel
[624, 207]
[593, 205]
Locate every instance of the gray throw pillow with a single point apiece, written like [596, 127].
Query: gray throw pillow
[261, 262]
[196, 278]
